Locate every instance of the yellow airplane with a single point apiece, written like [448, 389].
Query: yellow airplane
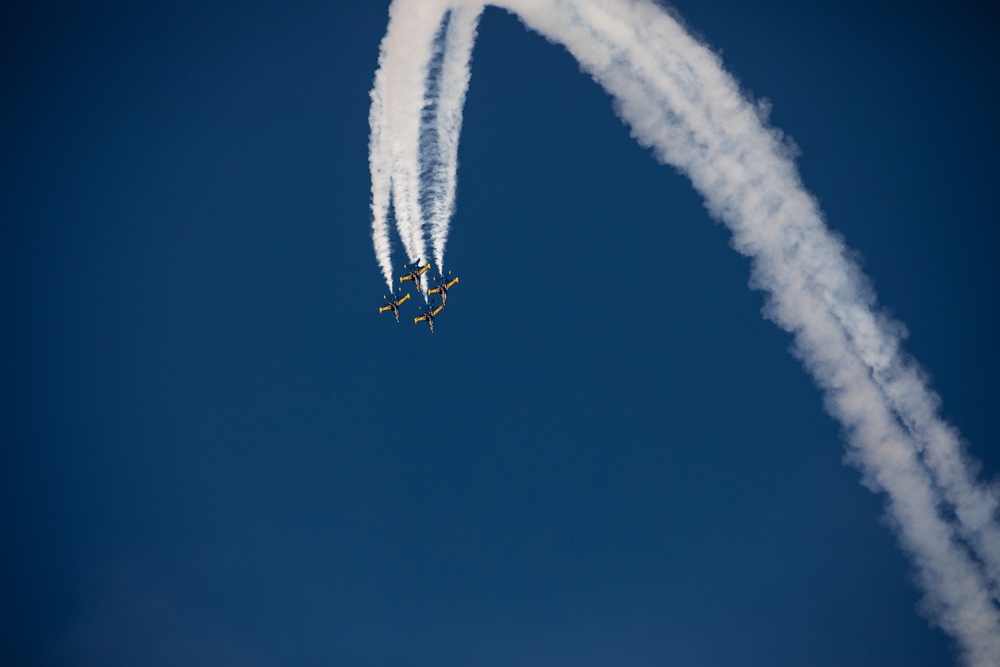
[414, 274]
[443, 285]
[428, 315]
[393, 304]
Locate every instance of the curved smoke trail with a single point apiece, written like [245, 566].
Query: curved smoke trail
[676, 98]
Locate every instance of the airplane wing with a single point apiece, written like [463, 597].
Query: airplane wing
[421, 271]
[437, 310]
[442, 287]
[422, 318]
[402, 278]
[403, 299]
[384, 308]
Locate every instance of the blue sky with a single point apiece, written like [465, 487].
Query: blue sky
[216, 452]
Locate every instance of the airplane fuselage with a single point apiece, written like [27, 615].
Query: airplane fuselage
[428, 316]
[393, 305]
[414, 275]
[442, 289]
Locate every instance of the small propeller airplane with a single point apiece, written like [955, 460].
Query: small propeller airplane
[393, 304]
[444, 284]
[428, 314]
[414, 274]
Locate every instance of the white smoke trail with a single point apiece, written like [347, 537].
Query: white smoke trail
[663, 57]
[400, 141]
[453, 85]
[676, 98]
[395, 118]
[379, 160]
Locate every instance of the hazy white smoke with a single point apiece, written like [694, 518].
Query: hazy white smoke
[677, 100]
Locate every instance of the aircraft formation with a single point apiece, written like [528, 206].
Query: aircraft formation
[441, 286]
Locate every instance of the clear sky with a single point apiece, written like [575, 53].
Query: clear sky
[215, 451]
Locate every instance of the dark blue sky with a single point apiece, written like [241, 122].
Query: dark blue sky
[214, 451]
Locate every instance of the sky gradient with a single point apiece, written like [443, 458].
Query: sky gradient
[217, 452]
